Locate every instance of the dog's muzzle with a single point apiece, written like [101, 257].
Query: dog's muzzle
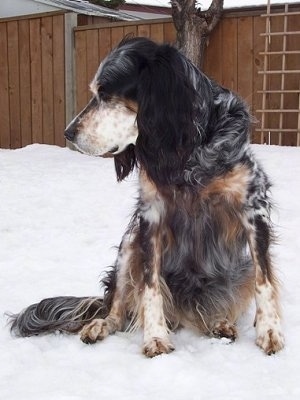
[70, 133]
[71, 129]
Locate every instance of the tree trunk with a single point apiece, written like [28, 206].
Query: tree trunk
[193, 26]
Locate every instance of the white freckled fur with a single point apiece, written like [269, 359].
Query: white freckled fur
[109, 127]
[268, 322]
[154, 320]
[154, 212]
[154, 208]
[156, 337]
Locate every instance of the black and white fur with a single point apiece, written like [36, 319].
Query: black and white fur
[197, 248]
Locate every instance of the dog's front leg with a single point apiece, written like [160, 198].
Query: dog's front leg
[156, 337]
[100, 328]
[269, 335]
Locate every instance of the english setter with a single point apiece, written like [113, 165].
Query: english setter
[197, 248]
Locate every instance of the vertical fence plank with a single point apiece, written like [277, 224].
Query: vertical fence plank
[144, 30]
[14, 83]
[25, 83]
[47, 79]
[92, 53]
[80, 70]
[4, 89]
[59, 79]
[130, 30]
[229, 51]
[104, 44]
[213, 62]
[117, 35]
[245, 54]
[36, 80]
[157, 32]
[169, 32]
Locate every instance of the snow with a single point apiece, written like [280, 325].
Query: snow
[61, 214]
[204, 4]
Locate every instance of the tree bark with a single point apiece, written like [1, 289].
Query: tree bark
[194, 26]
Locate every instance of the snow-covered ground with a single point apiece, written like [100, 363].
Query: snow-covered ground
[61, 213]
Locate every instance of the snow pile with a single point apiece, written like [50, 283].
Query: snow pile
[61, 215]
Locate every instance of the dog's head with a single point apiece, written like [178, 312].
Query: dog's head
[146, 106]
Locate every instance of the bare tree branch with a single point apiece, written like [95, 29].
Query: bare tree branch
[212, 15]
[193, 26]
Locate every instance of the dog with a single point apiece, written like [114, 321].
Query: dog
[197, 248]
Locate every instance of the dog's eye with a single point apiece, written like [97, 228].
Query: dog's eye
[103, 96]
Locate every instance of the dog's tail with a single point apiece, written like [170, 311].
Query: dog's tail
[65, 313]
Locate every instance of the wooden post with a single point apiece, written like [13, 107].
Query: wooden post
[70, 23]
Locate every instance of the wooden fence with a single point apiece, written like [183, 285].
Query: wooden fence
[32, 81]
[35, 93]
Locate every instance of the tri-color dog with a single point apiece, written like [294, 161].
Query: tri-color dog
[197, 248]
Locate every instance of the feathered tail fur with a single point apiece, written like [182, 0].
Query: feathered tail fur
[64, 313]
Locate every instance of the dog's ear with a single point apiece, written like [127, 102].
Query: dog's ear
[167, 114]
[124, 162]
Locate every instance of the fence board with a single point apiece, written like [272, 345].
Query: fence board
[25, 82]
[213, 57]
[229, 53]
[14, 84]
[169, 33]
[144, 30]
[157, 32]
[92, 53]
[4, 97]
[245, 53]
[104, 42]
[117, 35]
[81, 70]
[47, 80]
[36, 80]
[59, 80]
[130, 30]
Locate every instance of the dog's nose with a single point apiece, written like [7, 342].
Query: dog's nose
[70, 133]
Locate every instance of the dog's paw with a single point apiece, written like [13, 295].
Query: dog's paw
[95, 330]
[269, 337]
[226, 330]
[157, 346]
